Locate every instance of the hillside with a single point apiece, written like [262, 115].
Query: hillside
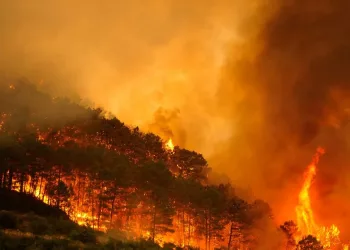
[34, 225]
[108, 176]
[26, 203]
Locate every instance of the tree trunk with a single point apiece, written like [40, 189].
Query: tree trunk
[206, 232]
[21, 187]
[99, 213]
[183, 227]
[77, 187]
[154, 224]
[209, 230]
[10, 177]
[92, 210]
[58, 188]
[1, 179]
[230, 237]
[40, 187]
[189, 230]
[128, 215]
[112, 211]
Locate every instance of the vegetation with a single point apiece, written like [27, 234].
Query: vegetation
[109, 177]
[309, 243]
[30, 231]
[289, 228]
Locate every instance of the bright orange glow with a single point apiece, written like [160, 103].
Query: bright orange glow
[305, 218]
[328, 236]
[169, 145]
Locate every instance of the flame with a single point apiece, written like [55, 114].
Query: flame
[328, 236]
[305, 218]
[169, 145]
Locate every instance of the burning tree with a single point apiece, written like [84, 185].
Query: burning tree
[307, 232]
[309, 243]
[109, 176]
[237, 212]
[291, 230]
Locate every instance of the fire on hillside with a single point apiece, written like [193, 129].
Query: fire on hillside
[328, 236]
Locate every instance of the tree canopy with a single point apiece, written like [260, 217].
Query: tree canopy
[107, 175]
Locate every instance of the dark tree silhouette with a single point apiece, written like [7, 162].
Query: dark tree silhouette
[289, 228]
[309, 243]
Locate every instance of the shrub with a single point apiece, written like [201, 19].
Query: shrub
[147, 244]
[8, 220]
[85, 235]
[62, 226]
[169, 246]
[39, 226]
[55, 244]
[34, 224]
[116, 234]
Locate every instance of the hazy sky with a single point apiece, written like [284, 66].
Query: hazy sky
[131, 57]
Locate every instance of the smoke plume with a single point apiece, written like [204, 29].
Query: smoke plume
[130, 57]
[293, 80]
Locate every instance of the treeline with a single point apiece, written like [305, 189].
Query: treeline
[109, 176]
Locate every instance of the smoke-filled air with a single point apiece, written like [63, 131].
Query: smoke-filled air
[261, 89]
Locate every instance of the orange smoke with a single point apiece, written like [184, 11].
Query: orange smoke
[328, 236]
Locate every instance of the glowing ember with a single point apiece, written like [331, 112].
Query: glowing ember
[328, 236]
[169, 145]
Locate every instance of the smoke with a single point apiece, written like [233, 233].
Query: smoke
[254, 86]
[293, 81]
[130, 57]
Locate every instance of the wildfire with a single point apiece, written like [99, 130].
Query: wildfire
[169, 145]
[328, 236]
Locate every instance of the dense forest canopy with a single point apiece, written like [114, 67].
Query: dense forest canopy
[113, 177]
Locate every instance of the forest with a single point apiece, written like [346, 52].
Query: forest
[114, 178]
